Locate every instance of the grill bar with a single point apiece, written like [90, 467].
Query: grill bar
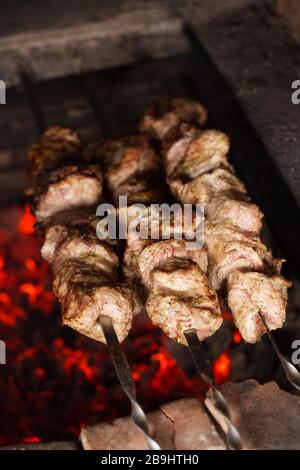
[35, 105]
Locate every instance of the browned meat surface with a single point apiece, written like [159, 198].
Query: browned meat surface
[126, 158]
[251, 292]
[140, 190]
[203, 189]
[163, 115]
[57, 146]
[87, 248]
[181, 298]
[230, 250]
[86, 281]
[243, 216]
[195, 153]
[57, 228]
[85, 302]
[67, 188]
[132, 169]
[160, 252]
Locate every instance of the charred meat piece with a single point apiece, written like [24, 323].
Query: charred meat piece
[84, 247]
[132, 169]
[54, 230]
[126, 158]
[203, 189]
[67, 188]
[230, 250]
[160, 252]
[182, 299]
[86, 281]
[195, 152]
[140, 190]
[57, 146]
[163, 115]
[84, 302]
[251, 292]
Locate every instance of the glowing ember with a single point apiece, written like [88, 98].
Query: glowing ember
[55, 380]
[236, 337]
[221, 368]
[26, 223]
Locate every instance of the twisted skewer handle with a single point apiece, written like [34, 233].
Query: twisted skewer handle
[125, 378]
[218, 406]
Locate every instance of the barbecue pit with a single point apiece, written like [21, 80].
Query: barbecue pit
[62, 74]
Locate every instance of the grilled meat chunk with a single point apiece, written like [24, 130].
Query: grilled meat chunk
[86, 280]
[84, 302]
[230, 250]
[243, 216]
[163, 115]
[56, 147]
[160, 252]
[195, 153]
[203, 189]
[132, 169]
[140, 191]
[67, 188]
[251, 292]
[182, 299]
[126, 158]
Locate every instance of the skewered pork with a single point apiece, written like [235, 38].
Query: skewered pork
[179, 296]
[250, 292]
[197, 171]
[86, 278]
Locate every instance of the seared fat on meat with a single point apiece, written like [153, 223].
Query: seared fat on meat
[251, 292]
[56, 146]
[180, 299]
[196, 152]
[67, 188]
[163, 115]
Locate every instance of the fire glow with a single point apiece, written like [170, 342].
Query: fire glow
[55, 380]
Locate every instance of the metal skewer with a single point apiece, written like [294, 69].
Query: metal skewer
[291, 373]
[221, 409]
[125, 378]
